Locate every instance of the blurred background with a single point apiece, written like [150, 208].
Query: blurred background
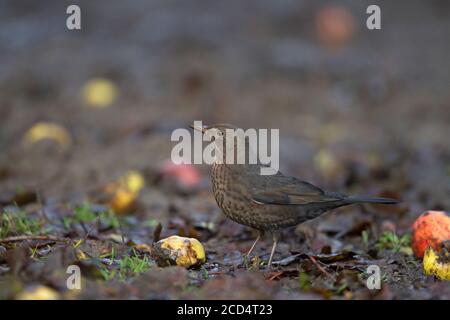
[358, 110]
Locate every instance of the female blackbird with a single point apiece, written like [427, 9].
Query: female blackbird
[268, 202]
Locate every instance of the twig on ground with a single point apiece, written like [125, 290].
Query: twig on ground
[33, 237]
[325, 272]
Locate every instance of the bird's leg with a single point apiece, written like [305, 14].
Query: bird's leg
[276, 236]
[247, 255]
[254, 244]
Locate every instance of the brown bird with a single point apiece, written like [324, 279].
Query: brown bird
[269, 203]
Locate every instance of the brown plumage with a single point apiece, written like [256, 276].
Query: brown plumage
[270, 202]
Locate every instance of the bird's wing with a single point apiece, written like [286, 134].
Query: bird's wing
[282, 190]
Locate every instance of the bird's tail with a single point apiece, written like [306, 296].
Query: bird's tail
[364, 199]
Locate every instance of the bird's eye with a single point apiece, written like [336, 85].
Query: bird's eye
[219, 133]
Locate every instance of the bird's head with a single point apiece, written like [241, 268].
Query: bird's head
[219, 133]
[216, 130]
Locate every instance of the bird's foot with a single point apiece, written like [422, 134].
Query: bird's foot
[270, 266]
[246, 259]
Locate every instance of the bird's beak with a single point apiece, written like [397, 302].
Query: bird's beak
[202, 129]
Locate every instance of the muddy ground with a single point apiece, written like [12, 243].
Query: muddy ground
[359, 111]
